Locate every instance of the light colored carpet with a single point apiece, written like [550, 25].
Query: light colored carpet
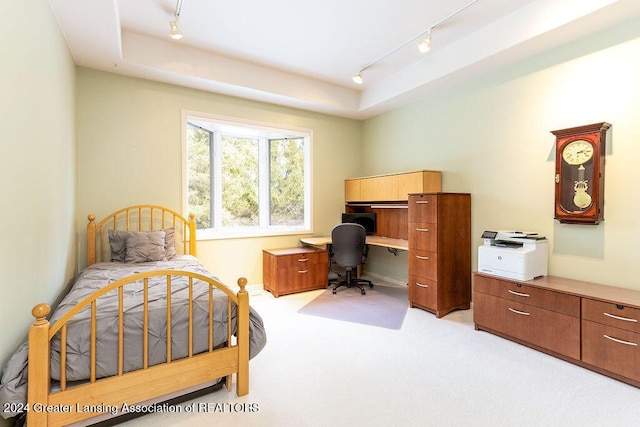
[382, 306]
[431, 372]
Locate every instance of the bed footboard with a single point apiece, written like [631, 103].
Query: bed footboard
[108, 395]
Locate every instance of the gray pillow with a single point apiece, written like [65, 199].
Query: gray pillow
[143, 246]
[170, 242]
[118, 244]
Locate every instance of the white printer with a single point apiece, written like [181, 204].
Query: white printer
[513, 254]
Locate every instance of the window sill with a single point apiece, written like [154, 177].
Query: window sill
[209, 234]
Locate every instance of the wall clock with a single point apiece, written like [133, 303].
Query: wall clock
[579, 181]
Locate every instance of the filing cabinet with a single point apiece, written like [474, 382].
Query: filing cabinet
[440, 251]
[591, 325]
[290, 270]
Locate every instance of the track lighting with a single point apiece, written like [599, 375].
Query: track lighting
[174, 31]
[423, 46]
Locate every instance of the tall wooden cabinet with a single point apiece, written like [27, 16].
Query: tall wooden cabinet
[440, 251]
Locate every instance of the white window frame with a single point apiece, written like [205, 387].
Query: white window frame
[270, 131]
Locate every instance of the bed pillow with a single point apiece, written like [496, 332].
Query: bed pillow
[143, 246]
[118, 245]
[170, 242]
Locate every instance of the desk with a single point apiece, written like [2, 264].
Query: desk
[393, 245]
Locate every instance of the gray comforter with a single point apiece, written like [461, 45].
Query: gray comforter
[13, 385]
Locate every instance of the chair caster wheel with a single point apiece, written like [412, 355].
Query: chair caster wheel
[363, 292]
[334, 291]
[371, 285]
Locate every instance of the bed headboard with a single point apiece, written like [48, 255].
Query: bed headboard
[139, 218]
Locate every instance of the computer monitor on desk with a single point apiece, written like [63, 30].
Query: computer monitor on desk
[367, 220]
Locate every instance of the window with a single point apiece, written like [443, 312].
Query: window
[245, 179]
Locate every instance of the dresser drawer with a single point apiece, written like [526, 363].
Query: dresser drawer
[298, 279]
[423, 292]
[610, 314]
[612, 349]
[301, 259]
[542, 298]
[543, 328]
[423, 264]
[423, 208]
[423, 236]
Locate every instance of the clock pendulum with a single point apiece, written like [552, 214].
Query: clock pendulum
[581, 199]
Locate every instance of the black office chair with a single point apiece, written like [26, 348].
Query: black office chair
[349, 250]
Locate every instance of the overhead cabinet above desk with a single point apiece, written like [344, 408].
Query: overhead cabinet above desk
[391, 187]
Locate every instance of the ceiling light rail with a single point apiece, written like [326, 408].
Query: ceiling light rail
[175, 32]
[423, 46]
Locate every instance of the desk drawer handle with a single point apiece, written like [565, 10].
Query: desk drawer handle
[520, 294]
[422, 229]
[303, 260]
[421, 285]
[522, 313]
[303, 271]
[422, 257]
[620, 341]
[421, 202]
[626, 319]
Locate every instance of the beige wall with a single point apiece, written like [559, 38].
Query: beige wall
[492, 138]
[129, 151]
[37, 166]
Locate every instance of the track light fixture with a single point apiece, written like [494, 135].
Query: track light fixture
[423, 46]
[175, 32]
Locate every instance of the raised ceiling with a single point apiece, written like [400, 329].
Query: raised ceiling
[303, 54]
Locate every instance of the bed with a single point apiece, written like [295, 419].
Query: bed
[143, 321]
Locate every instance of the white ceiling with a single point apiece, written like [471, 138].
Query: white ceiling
[303, 54]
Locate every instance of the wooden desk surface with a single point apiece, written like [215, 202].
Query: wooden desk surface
[385, 242]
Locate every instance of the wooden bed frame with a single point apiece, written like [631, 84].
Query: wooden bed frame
[98, 396]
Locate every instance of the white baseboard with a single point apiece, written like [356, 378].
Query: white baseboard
[255, 289]
[386, 279]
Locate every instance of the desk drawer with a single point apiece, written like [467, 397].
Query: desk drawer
[302, 259]
[423, 264]
[547, 329]
[423, 208]
[515, 291]
[615, 315]
[612, 349]
[423, 236]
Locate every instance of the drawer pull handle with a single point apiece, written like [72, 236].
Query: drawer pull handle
[421, 202]
[422, 229]
[520, 294]
[422, 257]
[620, 341]
[421, 285]
[303, 271]
[626, 319]
[522, 313]
[303, 260]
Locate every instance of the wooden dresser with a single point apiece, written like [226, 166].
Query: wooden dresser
[290, 270]
[440, 251]
[592, 325]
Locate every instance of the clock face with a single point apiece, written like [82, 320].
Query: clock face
[577, 152]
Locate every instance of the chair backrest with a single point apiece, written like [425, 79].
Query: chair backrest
[348, 244]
